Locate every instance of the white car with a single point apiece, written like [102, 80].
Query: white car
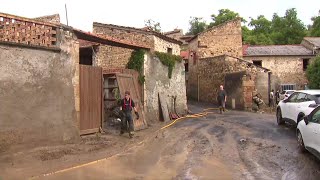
[285, 94]
[308, 133]
[297, 105]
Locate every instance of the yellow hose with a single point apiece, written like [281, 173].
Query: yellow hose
[204, 113]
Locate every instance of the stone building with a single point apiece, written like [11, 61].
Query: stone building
[156, 74]
[240, 78]
[215, 58]
[312, 43]
[178, 35]
[38, 83]
[155, 40]
[46, 73]
[223, 39]
[288, 63]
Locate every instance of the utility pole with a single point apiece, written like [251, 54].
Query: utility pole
[65, 5]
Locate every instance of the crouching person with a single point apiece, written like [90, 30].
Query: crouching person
[127, 105]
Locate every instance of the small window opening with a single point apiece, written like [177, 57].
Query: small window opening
[305, 64]
[169, 50]
[86, 56]
[257, 62]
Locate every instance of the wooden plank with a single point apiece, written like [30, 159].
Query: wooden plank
[164, 107]
[126, 82]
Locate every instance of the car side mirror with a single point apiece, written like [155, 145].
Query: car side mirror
[306, 119]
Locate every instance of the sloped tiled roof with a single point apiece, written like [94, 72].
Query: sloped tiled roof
[276, 50]
[313, 40]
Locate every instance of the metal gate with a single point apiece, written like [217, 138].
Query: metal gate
[90, 99]
[127, 82]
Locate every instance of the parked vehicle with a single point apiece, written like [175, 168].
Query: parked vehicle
[297, 105]
[308, 133]
[285, 94]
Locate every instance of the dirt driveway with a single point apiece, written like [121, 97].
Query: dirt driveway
[235, 145]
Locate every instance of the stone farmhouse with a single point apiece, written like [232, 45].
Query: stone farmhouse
[53, 80]
[288, 63]
[215, 58]
[156, 80]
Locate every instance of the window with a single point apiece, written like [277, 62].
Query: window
[293, 97]
[315, 98]
[169, 50]
[305, 64]
[316, 117]
[194, 57]
[301, 97]
[288, 87]
[257, 62]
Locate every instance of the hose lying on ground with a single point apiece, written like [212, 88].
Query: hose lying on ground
[203, 113]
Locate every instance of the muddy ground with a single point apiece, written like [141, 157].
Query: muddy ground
[234, 145]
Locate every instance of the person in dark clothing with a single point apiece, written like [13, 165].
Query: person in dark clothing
[277, 97]
[222, 98]
[127, 105]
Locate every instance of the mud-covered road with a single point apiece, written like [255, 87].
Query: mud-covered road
[235, 145]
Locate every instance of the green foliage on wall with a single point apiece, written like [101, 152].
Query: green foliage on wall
[168, 60]
[136, 62]
[313, 74]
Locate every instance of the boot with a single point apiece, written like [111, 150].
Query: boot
[131, 134]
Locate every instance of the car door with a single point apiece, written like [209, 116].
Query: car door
[297, 106]
[288, 104]
[314, 129]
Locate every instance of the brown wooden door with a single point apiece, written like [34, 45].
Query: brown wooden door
[90, 99]
[127, 82]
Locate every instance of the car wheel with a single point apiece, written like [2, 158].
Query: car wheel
[300, 142]
[280, 121]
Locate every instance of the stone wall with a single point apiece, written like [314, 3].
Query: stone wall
[125, 34]
[210, 73]
[222, 39]
[162, 46]
[37, 94]
[137, 36]
[55, 18]
[157, 81]
[285, 70]
[112, 57]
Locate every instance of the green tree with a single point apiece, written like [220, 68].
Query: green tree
[288, 29]
[224, 15]
[315, 28]
[261, 31]
[155, 26]
[197, 25]
[313, 74]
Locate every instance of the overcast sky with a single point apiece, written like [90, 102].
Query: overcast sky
[170, 13]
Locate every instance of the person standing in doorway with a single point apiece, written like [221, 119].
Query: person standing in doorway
[222, 98]
[277, 97]
[271, 98]
[127, 105]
